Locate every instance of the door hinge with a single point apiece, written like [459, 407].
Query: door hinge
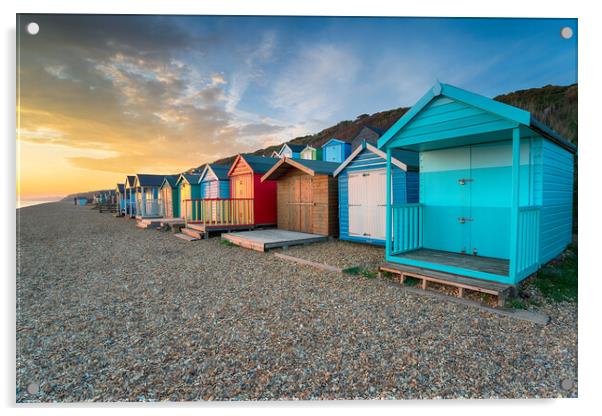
[366, 234]
[365, 174]
[463, 181]
[462, 220]
[474, 252]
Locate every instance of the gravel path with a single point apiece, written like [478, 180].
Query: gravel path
[342, 254]
[109, 312]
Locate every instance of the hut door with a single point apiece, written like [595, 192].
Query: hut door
[445, 182]
[367, 203]
[301, 204]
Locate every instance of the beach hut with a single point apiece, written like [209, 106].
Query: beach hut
[290, 150]
[311, 153]
[306, 195]
[120, 194]
[169, 197]
[335, 150]
[256, 199]
[251, 203]
[496, 188]
[82, 201]
[189, 190]
[147, 195]
[362, 183]
[214, 181]
[366, 134]
[130, 196]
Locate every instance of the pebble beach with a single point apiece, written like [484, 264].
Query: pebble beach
[110, 312]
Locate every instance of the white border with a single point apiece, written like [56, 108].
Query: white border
[589, 185]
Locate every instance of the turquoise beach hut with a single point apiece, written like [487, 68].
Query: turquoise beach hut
[120, 194]
[362, 182]
[496, 188]
[335, 150]
[215, 182]
[130, 196]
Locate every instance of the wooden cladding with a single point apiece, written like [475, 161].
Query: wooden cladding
[308, 203]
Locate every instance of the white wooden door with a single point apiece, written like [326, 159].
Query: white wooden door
[367, 203]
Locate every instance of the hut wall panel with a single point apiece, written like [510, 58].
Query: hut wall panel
[241, 186]
[557, 198]
[264, 199]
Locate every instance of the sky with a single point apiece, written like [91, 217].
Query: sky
[100, 97]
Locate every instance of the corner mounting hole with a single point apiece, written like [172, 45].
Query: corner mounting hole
[33, 28]
[566, 32]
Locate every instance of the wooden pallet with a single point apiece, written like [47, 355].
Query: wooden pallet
[264, 240]
[461, 283]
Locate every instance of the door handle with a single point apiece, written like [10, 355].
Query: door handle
[463, 181]
[462, 220]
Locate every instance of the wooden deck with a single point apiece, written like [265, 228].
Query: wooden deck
[263, 240]
[484, 264]
[460, 282]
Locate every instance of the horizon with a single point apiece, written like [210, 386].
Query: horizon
[101, 97]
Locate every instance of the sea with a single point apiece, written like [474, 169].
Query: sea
[29, 203]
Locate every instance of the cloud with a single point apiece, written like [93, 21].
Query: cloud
[136, 97]
[251, 70]
[316, 84]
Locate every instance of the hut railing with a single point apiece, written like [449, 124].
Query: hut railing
[148, 208]
[219, 211]
[406, 227]
[527, 253]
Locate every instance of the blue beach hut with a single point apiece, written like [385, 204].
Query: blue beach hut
[215, 182]
[362, 182]
[290, 150]
[147, 195]
[496, 188]
[335, 150]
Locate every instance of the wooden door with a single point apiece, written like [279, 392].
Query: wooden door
[300, 204]
[167, 202]
[242, 187]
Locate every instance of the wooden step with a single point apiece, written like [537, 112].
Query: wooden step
[191, 233]
[185, 237]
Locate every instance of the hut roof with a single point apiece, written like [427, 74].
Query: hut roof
[311, 167]
[220, 171]
[333, 141]
[171, 180]
[130, 180]
[365, 145]
[259, 164]
[293, 147]
[505, 111]
[191, 178]
[149, 180]
[120, 188]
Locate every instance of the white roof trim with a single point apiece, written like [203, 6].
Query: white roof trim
[374, 150]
